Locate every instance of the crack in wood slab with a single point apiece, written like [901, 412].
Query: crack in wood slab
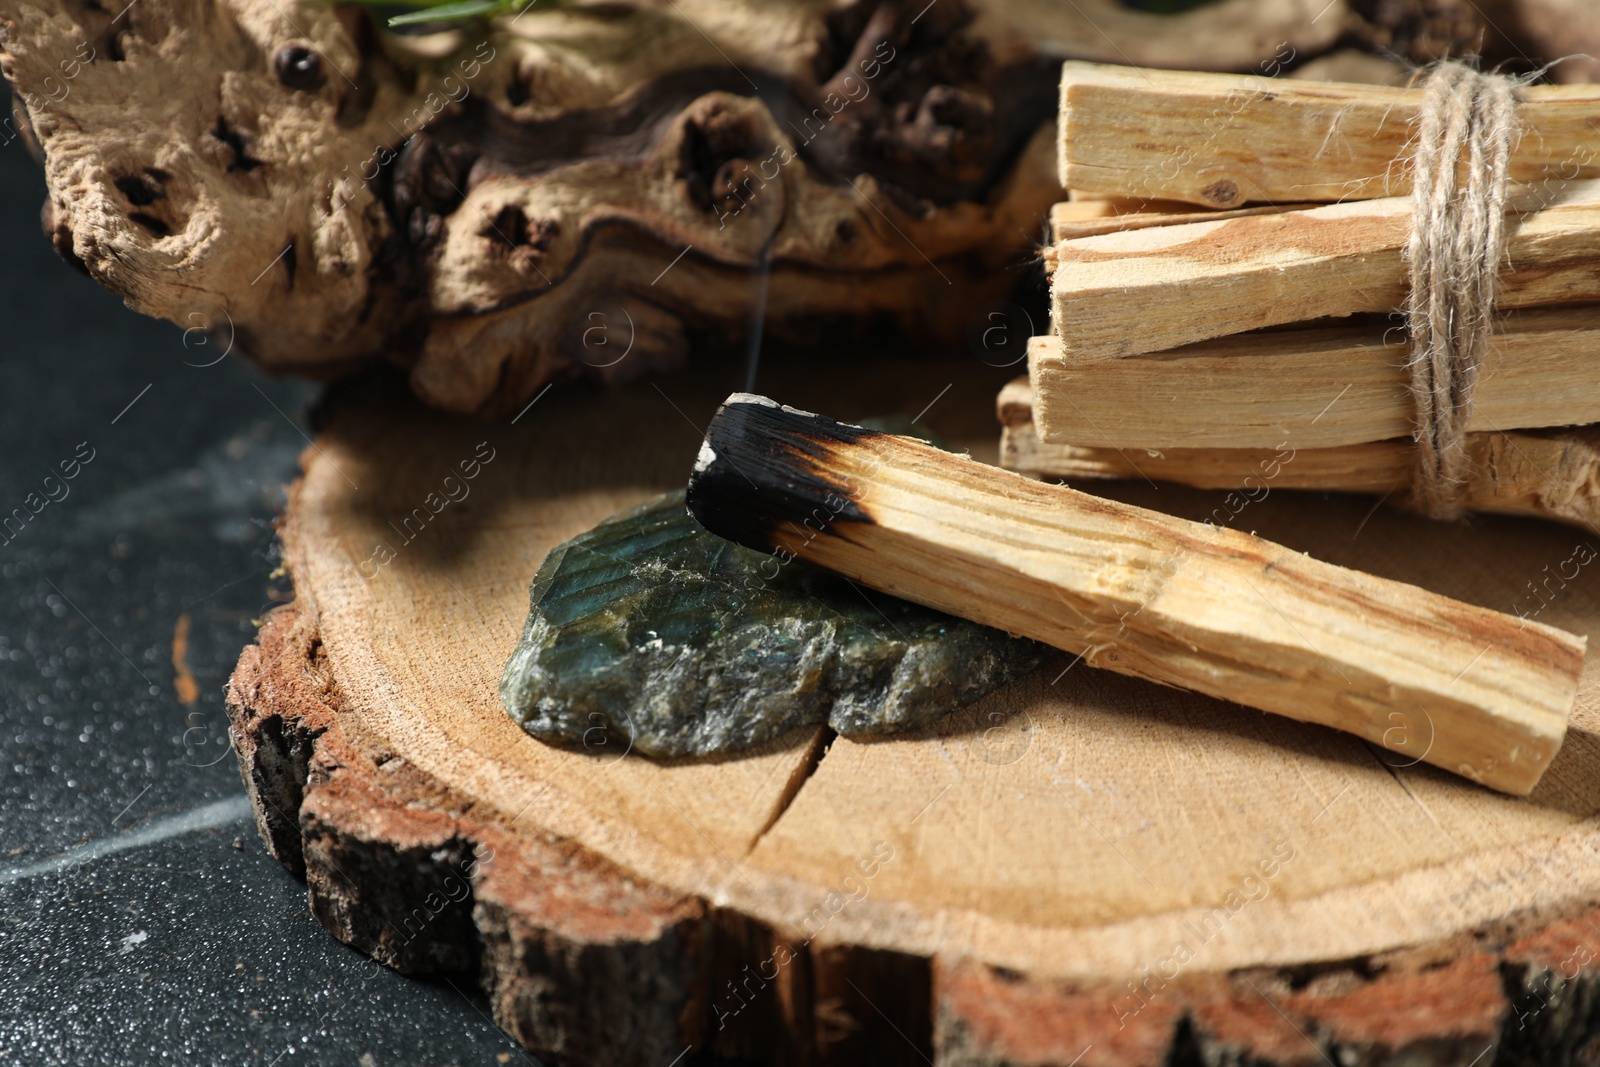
[817, 752]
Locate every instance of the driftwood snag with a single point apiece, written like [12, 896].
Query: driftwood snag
[490, 209]
[1009, 886]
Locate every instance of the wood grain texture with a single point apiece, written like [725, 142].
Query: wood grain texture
[1310, 388]
[1058, 839]
[1222, 140]
[1072, 219]
[1550, 474]
[1253, 268]
[1374, 467]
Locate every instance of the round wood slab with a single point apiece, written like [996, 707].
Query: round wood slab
[1082, 868]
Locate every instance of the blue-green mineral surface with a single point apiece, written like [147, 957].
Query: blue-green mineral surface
[649, 634]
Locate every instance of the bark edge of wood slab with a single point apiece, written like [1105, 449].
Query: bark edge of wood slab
[1111, 583]
[570, 950]
[375, 859]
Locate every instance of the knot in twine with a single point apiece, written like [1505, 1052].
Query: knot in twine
[1456, 245]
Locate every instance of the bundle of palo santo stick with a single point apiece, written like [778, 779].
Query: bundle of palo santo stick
[1213, 315]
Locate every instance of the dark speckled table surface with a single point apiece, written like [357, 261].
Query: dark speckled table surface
[141, 920]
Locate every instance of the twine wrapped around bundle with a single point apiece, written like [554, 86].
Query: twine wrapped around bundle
[1454, 255]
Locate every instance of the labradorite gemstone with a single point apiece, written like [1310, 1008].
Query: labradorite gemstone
[650, 634]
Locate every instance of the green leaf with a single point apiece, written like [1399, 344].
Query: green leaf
[434, 12]
[464, 9]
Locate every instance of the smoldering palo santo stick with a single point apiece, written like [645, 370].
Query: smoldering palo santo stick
[1484, 694]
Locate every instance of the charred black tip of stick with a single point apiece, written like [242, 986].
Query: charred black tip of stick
[767, 473]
